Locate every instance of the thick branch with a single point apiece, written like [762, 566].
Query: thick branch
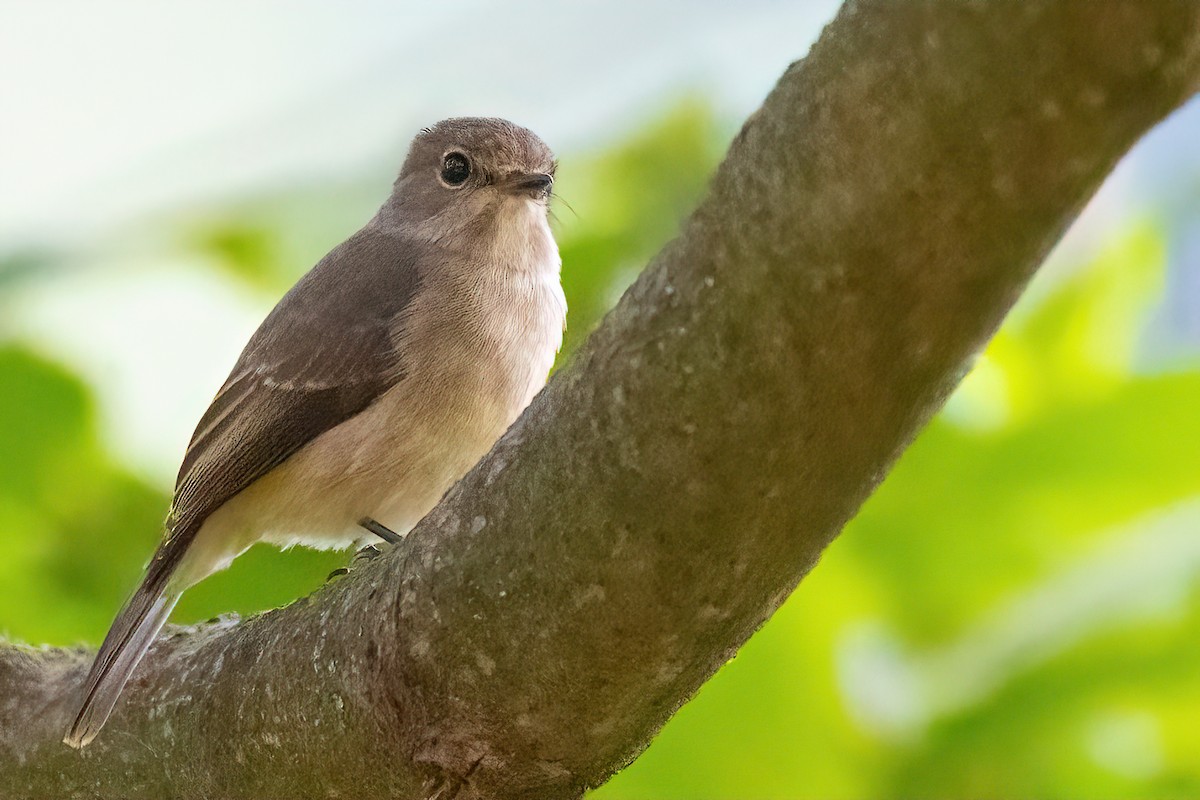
[870, 227]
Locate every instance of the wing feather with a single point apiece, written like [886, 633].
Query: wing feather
[324, 354]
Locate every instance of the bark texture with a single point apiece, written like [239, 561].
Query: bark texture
[869, 229]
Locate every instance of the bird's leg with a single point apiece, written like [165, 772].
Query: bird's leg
[380, 530]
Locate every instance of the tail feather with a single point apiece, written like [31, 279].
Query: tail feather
[127, 641]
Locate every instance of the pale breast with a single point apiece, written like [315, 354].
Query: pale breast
[490, 331]
[490, 347]
[476, 345]
[520, 330]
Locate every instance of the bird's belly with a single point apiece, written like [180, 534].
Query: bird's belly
[395, 460]
[388, 463]
[392, 463]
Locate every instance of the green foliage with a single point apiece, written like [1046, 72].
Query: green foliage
[971, 633]
[1014, 613]
[624, 205]
[249, 251]
[76, 525]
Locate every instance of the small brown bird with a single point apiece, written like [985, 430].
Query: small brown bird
[374, 385]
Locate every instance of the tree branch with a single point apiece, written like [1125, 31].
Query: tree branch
[868, 230]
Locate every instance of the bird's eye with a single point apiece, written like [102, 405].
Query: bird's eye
[455, 169]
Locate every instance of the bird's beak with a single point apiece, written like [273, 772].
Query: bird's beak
[533, 184]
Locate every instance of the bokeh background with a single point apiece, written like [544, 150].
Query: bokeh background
[1015, 613]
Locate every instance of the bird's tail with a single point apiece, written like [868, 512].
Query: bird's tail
[127, 641]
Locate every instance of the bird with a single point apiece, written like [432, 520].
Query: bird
[375, 384]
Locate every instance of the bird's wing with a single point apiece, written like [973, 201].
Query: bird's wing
[324, 354]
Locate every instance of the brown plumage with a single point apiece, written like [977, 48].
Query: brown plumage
[374, 384]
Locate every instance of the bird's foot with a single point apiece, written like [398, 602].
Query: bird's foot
[368, 553]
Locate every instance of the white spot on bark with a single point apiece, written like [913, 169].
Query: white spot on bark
[592, 594]
[497, 466]
[666, 673]
[1004, 186]
[1093, 97]
[478, 524]
[602, 728]
[709, 612]
[1078, 166]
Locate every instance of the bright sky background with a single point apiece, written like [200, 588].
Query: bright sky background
[113, 113]
[113, 108]
[116, 112]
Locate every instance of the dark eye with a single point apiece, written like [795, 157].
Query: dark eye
[455, 169]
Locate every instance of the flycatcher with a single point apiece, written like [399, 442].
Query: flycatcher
[384, 375]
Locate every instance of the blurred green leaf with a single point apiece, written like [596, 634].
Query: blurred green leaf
[1054, 440]
[76, 526]
[625, 204]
